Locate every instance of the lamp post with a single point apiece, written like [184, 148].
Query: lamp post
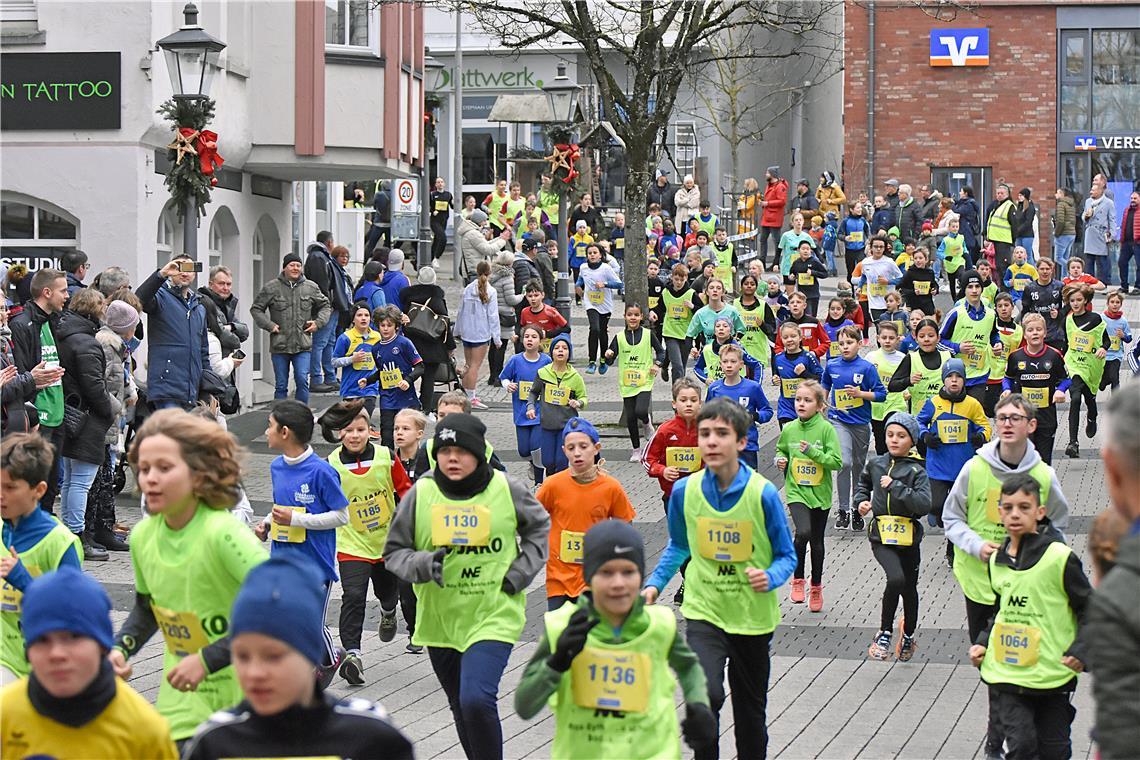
[562, 93]
[191, 60]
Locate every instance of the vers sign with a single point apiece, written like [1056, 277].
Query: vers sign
[959, 47]
[60, 91]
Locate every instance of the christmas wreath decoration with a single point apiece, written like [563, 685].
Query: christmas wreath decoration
[193, 153]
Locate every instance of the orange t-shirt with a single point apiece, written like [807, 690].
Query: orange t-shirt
[574, 508]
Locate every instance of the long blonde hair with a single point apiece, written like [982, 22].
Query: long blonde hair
[483, 270]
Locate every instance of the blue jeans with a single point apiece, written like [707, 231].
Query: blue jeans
[1027, 244]
[471, 682]
[77, 479]
[300, 365]
[323, 341]
[1062, 244]
[1128, 252]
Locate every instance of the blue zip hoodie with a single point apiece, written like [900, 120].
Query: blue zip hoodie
[784, 367]
[838, 374]
[749, 395]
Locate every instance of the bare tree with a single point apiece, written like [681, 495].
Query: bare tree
[639, 53]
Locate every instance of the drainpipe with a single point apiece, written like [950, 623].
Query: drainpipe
[871, 95]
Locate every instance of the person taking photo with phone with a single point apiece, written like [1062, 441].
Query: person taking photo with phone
[176, 334]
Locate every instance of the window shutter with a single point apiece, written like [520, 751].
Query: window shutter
[17, 10]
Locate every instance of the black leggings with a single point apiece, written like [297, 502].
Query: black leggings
[810, 525]
[900, 563]
[354, 578]
[1077, 391]
[989, 401]
[427, 387]
[879, 430]
[636, 414]
[955, 280]
[851, 257]
[599, 335]
[1111, 377]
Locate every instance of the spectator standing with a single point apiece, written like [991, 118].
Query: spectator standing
[586, 211]
[1064, 226]
[434, 351]
[909, 214]
[890, 195]
[85, 388]
[687, 199]
[442, 204]
[747, 205]
[883, 218]
[503, 281]
[477, 324]
[221, 311]
[1025, 224]
[931, 201]
[16, 388]
[74, 266]
[1130, 242]
[110, 280]
[473, 244]
[803, 200]
[322, 271]
[1114, 613]
[291, 309]
[178, 348]
[969, 217]
[829, 194]
[1100, 223]
[772, 216]
[662, 193]
[394, 279]
[1000, 215]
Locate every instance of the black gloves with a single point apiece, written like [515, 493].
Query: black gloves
[437, 565]
[508, 587]
[977, 440]
[699, 727]
[571, 641]
[932, 440]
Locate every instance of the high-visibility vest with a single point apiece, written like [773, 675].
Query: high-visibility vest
[998, 229]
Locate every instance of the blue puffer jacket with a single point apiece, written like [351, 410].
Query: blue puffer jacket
[176, 336]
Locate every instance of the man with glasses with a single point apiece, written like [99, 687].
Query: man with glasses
[931, 202]
[973, 524]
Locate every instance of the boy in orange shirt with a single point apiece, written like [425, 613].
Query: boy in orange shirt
[577, 498]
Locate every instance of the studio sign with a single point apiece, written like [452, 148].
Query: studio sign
[60, 91]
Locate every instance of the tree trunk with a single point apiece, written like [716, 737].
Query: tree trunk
[638, 154]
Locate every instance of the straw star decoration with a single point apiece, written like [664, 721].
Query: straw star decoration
[183, 143]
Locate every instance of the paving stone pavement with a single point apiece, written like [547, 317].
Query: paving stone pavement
[825, 700]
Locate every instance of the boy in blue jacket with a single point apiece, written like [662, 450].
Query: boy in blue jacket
[746, 393]
[791, 367]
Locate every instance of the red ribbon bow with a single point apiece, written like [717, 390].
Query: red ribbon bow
[208, 157]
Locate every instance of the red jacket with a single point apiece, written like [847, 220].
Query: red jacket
[776, 195]
[1135, 236]
[671, 433]
[814, 336]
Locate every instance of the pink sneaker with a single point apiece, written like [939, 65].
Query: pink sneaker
[815, 598]
[797, 595]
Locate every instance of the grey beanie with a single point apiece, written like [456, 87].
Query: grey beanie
[121, 317]
[426, 276]
[478, 217]
[906, 422]
[773, 170]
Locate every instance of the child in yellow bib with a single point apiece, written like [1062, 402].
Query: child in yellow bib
[1031, 651]
[608, 665]
[639, 357]
[893, 493]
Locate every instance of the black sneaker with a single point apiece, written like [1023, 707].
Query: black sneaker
[352, 670]
[413, 648]
[679, 597]
[387, 625]
[1090, 427]
[857, 523]
[110, 541]
[92, 552]
[949, 555]
[325, 673]
[842, 521]
[1073, 450]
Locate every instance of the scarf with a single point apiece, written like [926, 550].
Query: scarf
[464, 488]
[81, 709]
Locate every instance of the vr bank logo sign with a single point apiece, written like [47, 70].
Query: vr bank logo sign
[1115, 142]
[1084, 142]
[959, 47]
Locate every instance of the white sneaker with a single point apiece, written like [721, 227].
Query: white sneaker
[477, 404]
[647, 431]
[635, 456]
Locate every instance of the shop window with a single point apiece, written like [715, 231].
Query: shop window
[164, 239]
[349, 23]
[484, 155]
[1074, 107]
[1073, 45]
[1116, 78]
[33, 234]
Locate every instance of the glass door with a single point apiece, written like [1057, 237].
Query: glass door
[950, 181]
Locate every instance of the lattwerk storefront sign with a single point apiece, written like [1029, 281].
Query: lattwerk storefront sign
[60, 90]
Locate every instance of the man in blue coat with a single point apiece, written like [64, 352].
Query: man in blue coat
[176, 336]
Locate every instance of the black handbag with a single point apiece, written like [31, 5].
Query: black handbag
[74, 419]
[212, 383]
[425, 323]
[230, 400]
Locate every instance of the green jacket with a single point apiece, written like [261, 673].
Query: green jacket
[289, 305]
[555, 416]
[539, 681]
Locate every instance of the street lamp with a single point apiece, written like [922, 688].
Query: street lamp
[191, 60]
[191, 57]
[562, 93]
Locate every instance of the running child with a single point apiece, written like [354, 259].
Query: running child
[353, 355]
[748, 394]
[372, 481]
[708, 369]
[35, 542]
[952, 252]
[596, 282]
[576, 499]
[919, 285]
[790, 367]
[880, 272]
[1032, 648]
[1019, 274]
[894, 491]
[308, 505]
[679, 302]
[724, 255]
[894, 312]
[1077, 275]
[807, 453]
[276, 633]
[759, 321]
[808, 270]
[398, 366]
[1088, 343]
[851, 383]
[970, 331]
[886, 359]
[517, 377]
[776, 300]
[855, 310]
[613, 624]
[704, 320]
[672, 452]
[541, 315]
[1037, 371]
[639, 357]
[1119, 336]
[907, 342]
[953, 427]
[728, 520]
[557, 394]
[189, 558]
[813, 336]
[920, 372]
[1010, 333]
[989, 287]
[836, 318]
[408, 435]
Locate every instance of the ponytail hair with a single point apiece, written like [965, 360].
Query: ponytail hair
[483, 271]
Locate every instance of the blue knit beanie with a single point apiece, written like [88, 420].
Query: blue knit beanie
[67, 600]
[283, 598]
[564, 338]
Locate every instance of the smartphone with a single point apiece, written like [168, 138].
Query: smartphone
[238, 354]
[184, 265]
